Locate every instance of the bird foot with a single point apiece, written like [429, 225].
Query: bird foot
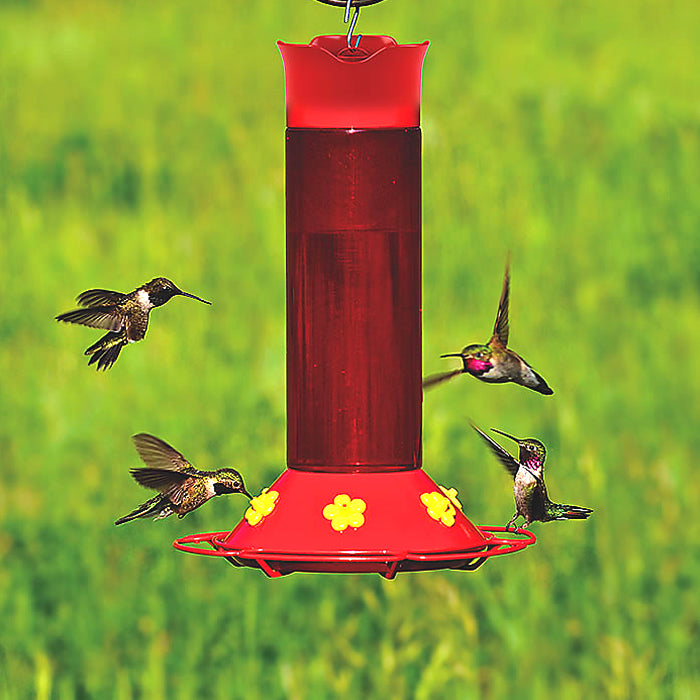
[516, 528]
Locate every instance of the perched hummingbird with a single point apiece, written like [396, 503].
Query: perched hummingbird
[182, 487]
[123, 316]
[531, 499]
[495, 362]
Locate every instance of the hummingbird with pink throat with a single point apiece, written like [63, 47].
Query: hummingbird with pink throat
[531, 499]
[494, 362]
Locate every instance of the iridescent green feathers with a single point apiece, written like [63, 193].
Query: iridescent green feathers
[493, 362]
[182, 487]
[531, 498]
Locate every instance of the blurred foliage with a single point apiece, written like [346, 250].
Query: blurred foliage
[140, 139]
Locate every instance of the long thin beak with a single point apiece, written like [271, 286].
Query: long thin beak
[243, 491]
[495, 430]
[192, 296]
[452, 354]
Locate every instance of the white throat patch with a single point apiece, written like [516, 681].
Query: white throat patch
[144, 299]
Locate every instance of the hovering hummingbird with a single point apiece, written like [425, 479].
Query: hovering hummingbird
[123, 316]
[495, 362]
[531, 499]
[182, 487]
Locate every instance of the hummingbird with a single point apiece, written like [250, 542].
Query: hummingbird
[531, 499]
[494, 362]
[182, 487]
[123, 316]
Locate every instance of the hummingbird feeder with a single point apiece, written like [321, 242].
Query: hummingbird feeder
[354, 496]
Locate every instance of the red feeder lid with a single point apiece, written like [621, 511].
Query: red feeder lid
[332, 86]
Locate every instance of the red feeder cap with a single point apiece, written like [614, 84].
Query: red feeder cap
[332, 86]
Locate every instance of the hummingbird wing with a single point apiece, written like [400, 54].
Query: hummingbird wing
[504, 458]
[107, 318]
[158, 455]
[100, 297]
[174, 486]
[500, 328]
[162, 480]
[540, 502]
[435, 379]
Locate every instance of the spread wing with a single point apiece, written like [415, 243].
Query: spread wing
[100, 297]
[435, 379]
[500, 328]
[158, 455]
[503, 457]
[105, 317]
[163, 480]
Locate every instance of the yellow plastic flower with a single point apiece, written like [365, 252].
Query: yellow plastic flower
[261, 506]
[439, 507]
[452, 495]
[345, 511]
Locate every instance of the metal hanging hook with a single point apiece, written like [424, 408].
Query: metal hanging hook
[347, 4]
[356, 3]
[355, 17]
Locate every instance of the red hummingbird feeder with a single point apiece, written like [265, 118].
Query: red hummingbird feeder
[354, 497]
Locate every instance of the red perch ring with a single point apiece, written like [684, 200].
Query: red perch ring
[407, 523]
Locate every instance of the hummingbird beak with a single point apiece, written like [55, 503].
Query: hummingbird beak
[452, 354]
[192, 296]
[495, 430]
[244, 492]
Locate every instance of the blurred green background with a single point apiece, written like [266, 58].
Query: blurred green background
[142, 139]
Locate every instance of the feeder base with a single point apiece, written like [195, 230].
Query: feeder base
[356, 523]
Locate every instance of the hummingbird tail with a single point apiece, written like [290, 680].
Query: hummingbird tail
[158, 507]
[106, 350]
[571, 512]
[125, 519]
[541, 385]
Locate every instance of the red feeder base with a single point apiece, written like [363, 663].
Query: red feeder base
[356, 523]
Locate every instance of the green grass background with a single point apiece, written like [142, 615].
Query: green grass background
[146, 138]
